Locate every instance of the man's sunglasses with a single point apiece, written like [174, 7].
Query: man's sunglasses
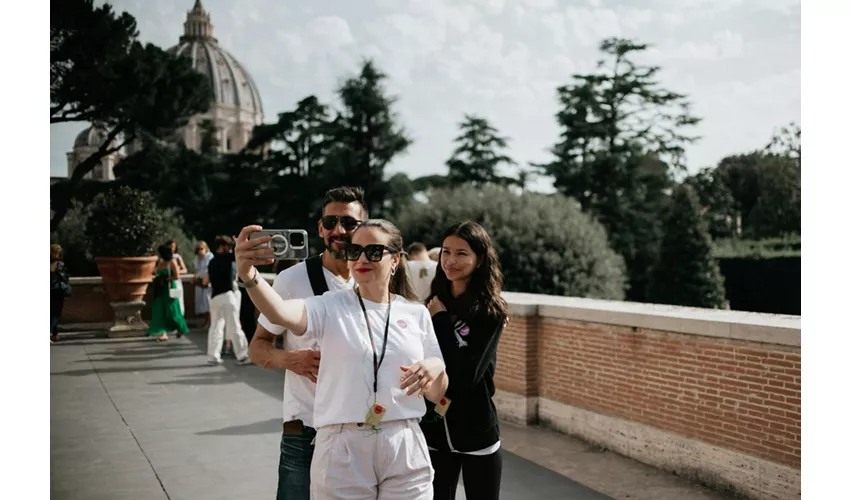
[374, 253]
[347, 222]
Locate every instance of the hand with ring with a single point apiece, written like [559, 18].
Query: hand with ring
[418, 377]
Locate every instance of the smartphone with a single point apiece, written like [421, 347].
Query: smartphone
[288, 244]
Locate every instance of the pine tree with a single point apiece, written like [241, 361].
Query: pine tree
[367, 136]
[686, 274]
[622, 137]
[477, 157]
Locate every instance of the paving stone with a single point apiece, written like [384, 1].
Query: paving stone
[137, 420]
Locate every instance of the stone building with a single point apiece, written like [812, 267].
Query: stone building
[236, 106]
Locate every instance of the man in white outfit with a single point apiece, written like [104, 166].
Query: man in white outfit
[422, 270]
[224, 305]
[343, 210]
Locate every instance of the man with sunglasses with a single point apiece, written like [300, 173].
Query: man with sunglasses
[343, 210]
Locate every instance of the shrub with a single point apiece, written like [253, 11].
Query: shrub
[686, 274]
[124, 222]
[768, 248]
[545, 243]
[71, 236]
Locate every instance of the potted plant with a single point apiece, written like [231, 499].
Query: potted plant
[123, 230]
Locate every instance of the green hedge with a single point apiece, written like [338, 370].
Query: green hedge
[768, 285]
[546, 244]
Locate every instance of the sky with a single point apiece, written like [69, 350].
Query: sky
[737, 60]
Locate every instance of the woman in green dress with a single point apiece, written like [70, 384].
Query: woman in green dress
[165, 309]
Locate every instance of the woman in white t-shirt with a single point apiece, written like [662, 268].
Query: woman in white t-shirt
[379, 357]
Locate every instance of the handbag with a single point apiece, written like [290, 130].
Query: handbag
[174, 293]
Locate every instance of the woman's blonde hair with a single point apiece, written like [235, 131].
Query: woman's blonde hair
[55, 252]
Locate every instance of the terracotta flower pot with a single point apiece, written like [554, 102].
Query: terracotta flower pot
[126, 279]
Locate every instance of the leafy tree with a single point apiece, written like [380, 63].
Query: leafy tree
[739, 173]
[786, 142]
[718, 204]
[400, 193]
[367, 135]
[100, 73]
[478, 154]
[761, 190]
[284, 181]
[178, 178]
[300, 140]
[71, 235]
[545, 243]
[777, 212]
[623, 135]
[686, 273]
[209, 138]
[434, 181]
[525, 176]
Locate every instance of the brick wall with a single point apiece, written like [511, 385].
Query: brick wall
[740, 395]
[718, 382]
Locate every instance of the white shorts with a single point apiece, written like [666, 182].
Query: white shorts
[353, 463]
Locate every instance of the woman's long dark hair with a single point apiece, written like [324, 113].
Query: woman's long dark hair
[483, 294]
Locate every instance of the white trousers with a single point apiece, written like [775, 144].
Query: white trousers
[353, 463]
[224, 316]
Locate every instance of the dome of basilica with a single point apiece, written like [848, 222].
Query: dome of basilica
[231, 83]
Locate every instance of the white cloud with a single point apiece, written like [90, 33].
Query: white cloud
[333, 31]
[592, 25]
[503, 60]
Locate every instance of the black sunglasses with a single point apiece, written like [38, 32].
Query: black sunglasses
[347, 222]
[374, 253]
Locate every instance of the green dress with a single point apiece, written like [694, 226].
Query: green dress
[165, 311]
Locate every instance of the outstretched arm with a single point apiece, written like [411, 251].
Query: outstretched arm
[290, 314]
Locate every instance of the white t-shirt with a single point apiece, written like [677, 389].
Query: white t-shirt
[299, 392]
[344, 392]
[422, 272]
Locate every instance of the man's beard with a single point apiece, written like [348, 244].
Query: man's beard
[336, 254]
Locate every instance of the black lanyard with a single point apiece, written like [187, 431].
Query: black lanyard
[376, 363]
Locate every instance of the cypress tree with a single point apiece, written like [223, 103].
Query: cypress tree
[686, 274]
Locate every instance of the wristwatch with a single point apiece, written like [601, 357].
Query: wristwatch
[250, 283]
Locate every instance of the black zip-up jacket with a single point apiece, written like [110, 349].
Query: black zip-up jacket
[471, 422]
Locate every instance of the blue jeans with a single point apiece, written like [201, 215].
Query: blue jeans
[293, 472]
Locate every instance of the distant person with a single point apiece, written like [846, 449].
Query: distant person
[60, 287]
[165, 308]
[181, 266]
[422, 270]
[224, 305]
[434, 254]
[203, 256]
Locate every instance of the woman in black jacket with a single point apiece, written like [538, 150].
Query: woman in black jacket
[468, 314]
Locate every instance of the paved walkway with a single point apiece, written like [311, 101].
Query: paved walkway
[133, 419]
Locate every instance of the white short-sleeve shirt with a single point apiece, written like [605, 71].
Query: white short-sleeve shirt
[344, 392]
[421, 274]
[299, 392]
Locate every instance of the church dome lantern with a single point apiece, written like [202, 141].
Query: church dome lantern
[236, 106]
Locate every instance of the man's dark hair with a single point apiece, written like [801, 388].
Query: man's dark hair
[223, 240]
[346, 194]
[416, 248]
